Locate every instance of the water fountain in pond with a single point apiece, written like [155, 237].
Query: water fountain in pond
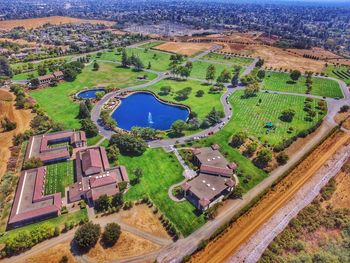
[150, 120]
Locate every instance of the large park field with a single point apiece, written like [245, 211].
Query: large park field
[279, 81]
[199, 69]
[58, 101]
[160, 171]
[239, 61]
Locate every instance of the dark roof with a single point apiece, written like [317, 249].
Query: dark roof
[30, 202]
[208, 169]
[208, 156]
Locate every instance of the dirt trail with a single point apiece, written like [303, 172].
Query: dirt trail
[222, 248]
[22, 119]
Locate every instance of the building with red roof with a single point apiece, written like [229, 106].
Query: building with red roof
[215, 178]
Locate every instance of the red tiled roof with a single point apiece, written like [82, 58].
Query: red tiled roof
[232, 166]
[204, 202]
[91, 158]
[185, 186]
[215, 147]
[102, 179]
[216, 170]
[46, 77]
[230, 183]
[58, 74]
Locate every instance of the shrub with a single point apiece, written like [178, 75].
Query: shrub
[32, 163]
[87, 235]
[282, 158]
[111, 234]
[238, 139]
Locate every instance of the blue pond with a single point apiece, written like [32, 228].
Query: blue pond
[144, 110]
[89, 94]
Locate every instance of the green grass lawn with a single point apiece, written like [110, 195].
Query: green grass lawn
[26, 75]
[159, 60]
[152, 44]
[59, 176]
[160, 171]
[92, 141]
[57, 101]
[339, 72]
[59, 221]
[250, 116]
[201, 105]
[199, 69]
[241, 61]
[279, 81]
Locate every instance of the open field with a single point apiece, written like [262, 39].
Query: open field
[199, 69]
[22, 119]
[277, 58]
[339, 72]
[54, 20]
[184, 48]
[240, 61]
[160, 171]
[59, 176]
[151, 44]
[224, 246]
[200, 105]
[142, 217]
[26, 75]
[128, 245]
[58, 103]
[315, 52]
[249, 116]
[279, 81]
[54, 254]
[59, 221]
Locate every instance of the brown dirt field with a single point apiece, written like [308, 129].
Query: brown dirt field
[224, 246]
[344, 116]
[341, 196]
[127, 246]
[315, 51]
[276, 58]
[21, 117]
[142, 217]
[55, 20]
[53, 254]
[183, 48]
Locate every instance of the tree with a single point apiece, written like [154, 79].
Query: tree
[149, 65]
[200, 93]
[260, 63]
[224, 77]
[138, 172]
[210, 73]
[125, 59]
[34, 82]
[251, 90]
[107, 120]
[235, 79]
[214, 116]
[87, 236]
[287, 115]
[102, 203]
[250, 149]
[165, 90]
[263, 158]
[111, 234]
[295, 75]
[237, 193]
[89, 127]
[113, 153]
[144, 133]
[83, 111]
[5, 69]
[96, 66]
[32, 163]
[117, 200]
[42, 71]
[183, 93]
[238, 139]
[128, 144]
[178, 127]
[8, 125]
[261, 74]
[138, 64]
[282, 158]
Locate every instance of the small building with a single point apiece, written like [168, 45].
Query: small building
[47, 79]
[30, 203]
[94, 176]
[214, 181]
[43, 146]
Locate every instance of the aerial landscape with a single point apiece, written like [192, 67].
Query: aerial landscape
[175, 131]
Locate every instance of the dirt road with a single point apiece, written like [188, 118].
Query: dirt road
[22, 119]
[223, 247]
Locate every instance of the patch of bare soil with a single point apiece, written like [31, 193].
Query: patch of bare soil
[221, 248]
[184, 48]
[54, 20]
[341, 196]
[21, 117]
[127, 246]
[276, 57]
[142, 217]
[53, 254]
[344, 118]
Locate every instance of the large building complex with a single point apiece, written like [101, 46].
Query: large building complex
[215, 178]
